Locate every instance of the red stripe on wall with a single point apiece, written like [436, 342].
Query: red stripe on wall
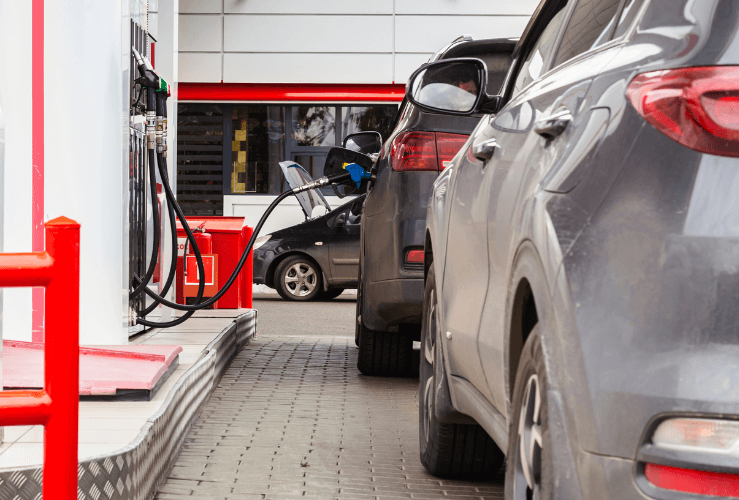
[37, 158]
[290, 92]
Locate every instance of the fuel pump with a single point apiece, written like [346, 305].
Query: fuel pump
[344, 167]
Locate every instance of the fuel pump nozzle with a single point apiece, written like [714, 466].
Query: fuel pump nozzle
[148, 78]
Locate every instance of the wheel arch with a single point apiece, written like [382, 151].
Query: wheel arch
[428, 256]
[529, 304]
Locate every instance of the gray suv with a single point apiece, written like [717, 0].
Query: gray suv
[423, 142]
[581, 311]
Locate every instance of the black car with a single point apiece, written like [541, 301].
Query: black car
[316, 259]
[390, 296]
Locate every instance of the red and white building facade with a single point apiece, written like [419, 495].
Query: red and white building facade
[254, 82]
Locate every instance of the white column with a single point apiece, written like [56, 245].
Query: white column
[15, 198]
[86, 138]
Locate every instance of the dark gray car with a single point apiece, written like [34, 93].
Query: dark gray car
[582, 260]
[316, 259]
[390, 294]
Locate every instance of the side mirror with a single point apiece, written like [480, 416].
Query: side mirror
[363, 142]
[340, 220]
[452, 86]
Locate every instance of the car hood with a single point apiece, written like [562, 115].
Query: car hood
[297, 176]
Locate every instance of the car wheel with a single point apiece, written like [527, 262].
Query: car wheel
[331, 293]
[447, 450]
[527, 473]
[298, 278]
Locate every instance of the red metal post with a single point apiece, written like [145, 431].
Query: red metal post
[57, 406]
[62, 359]
[247, 273]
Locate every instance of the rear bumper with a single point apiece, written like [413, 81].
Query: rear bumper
[390, 303]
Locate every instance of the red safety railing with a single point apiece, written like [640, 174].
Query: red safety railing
[56, 406]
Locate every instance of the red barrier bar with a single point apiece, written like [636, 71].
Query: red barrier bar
[57, 405]
[26, 269]
[24, 408]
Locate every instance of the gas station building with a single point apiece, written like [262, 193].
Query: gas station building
[252, 82]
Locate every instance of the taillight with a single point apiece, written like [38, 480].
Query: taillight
[424, 151]
[414, 256]
[448, 145]
[694, 440]
[697, 482]
[697, 107]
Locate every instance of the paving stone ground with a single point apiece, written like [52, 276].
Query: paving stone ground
[294, 418]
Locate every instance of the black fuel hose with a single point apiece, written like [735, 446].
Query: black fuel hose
[155, 247]
[234, 274]
[173, 263]
[162, 111]
[199, 259]
[202, 305]
[172, 202]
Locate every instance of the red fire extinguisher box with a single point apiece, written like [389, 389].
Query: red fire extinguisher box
[229, 237]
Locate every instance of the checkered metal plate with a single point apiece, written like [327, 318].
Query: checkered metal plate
[135, 472]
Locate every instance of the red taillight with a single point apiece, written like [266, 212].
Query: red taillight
[414, 151]
[414, 256]
[448, 145]
[698, 482]
[697, 107]
[424, 151]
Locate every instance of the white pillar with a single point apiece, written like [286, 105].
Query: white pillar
[15, 198]
[86, 148]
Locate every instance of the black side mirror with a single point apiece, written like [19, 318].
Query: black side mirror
[363, 142]
[340, 220]
[452, 86]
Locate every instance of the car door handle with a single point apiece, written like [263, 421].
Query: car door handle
[485, 150]
[553, 125]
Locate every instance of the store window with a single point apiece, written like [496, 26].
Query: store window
[264, 135]
[314, 126]
[236, 149]
[257, 148]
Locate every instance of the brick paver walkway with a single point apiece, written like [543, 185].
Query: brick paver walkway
[293, 418]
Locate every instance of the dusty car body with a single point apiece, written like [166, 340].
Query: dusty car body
[581, 260]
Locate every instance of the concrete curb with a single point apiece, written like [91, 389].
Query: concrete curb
[136, 471]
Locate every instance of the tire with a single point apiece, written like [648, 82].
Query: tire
[386, 354]
[331, 293]
[447, 450]
[298, 278]
[527, 428]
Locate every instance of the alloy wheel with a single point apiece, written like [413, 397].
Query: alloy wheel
[300, 279]
[528, 464]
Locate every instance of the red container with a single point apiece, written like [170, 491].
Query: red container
[229, 237]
